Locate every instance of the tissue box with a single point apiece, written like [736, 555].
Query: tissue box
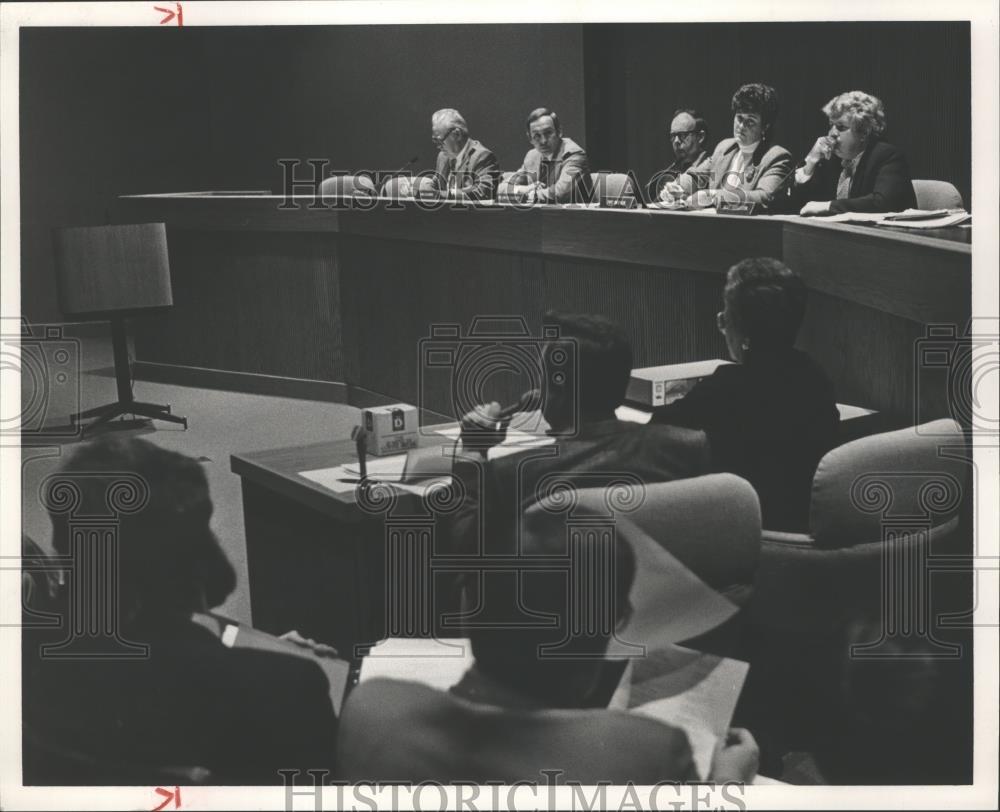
[658, 386]
[391, 429]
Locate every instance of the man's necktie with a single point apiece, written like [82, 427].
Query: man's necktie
[844, 184]
[545, 173]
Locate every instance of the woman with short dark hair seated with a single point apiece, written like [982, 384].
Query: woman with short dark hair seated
[771, 416]
[152, 689]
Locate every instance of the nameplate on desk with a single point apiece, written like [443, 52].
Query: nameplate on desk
[743, 208]
[622, 202]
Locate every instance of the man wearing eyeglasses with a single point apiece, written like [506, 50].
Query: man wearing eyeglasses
[555, 170]
[466, 170]
[688, 134]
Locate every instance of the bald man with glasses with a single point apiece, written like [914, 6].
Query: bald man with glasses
[555, 170]
[688, 134]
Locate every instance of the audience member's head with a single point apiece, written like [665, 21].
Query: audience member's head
[764, 302]
[586, 370]
[169, 562]
[755, 109]
[547, 638]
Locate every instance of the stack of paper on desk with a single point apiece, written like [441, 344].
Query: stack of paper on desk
[344, 478]
[911, 218]
[514, 442]
[914, 218]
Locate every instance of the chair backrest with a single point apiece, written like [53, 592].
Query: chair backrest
[890, 490]
[613, 190]
[347, 186]
[907, 473]
[879, 505]
[710, 525]
[391, 188]
[937, 194]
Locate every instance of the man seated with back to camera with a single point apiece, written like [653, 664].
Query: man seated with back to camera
[771, 416]
[241, 714]
[591, 443]
[520, 709]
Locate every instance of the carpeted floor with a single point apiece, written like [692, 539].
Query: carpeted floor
[219, 424]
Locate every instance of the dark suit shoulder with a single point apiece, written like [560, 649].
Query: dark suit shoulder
[480, 152]
[883, 150]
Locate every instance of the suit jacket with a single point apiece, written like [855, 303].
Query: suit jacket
[881, 182]
[403, 731]
[677, 168]
[768, 420]
[477, 176]
[764, 182]
[241, 713]
[566, 174]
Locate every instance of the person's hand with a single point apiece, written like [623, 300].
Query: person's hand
[482, 428]
[736, 758]
[319, 649]
[525, 192]
[821, 151]
[731, 195]
[702, 199]
[814, 207]
[404, 187]
[672, 192]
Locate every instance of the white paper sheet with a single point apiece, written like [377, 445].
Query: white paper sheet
[439, 664]
[515, 441]
[696, 692]
[340, 479]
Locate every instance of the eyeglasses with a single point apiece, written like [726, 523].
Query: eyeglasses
[440, 139]
[720, 320]
[748, 119]
[682, 135]
[539, 137]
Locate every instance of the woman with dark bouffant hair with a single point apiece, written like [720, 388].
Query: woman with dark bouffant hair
[771, 416]
[130, 682]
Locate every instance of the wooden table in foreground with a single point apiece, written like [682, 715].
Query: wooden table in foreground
[351, 297]
[338, 569]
